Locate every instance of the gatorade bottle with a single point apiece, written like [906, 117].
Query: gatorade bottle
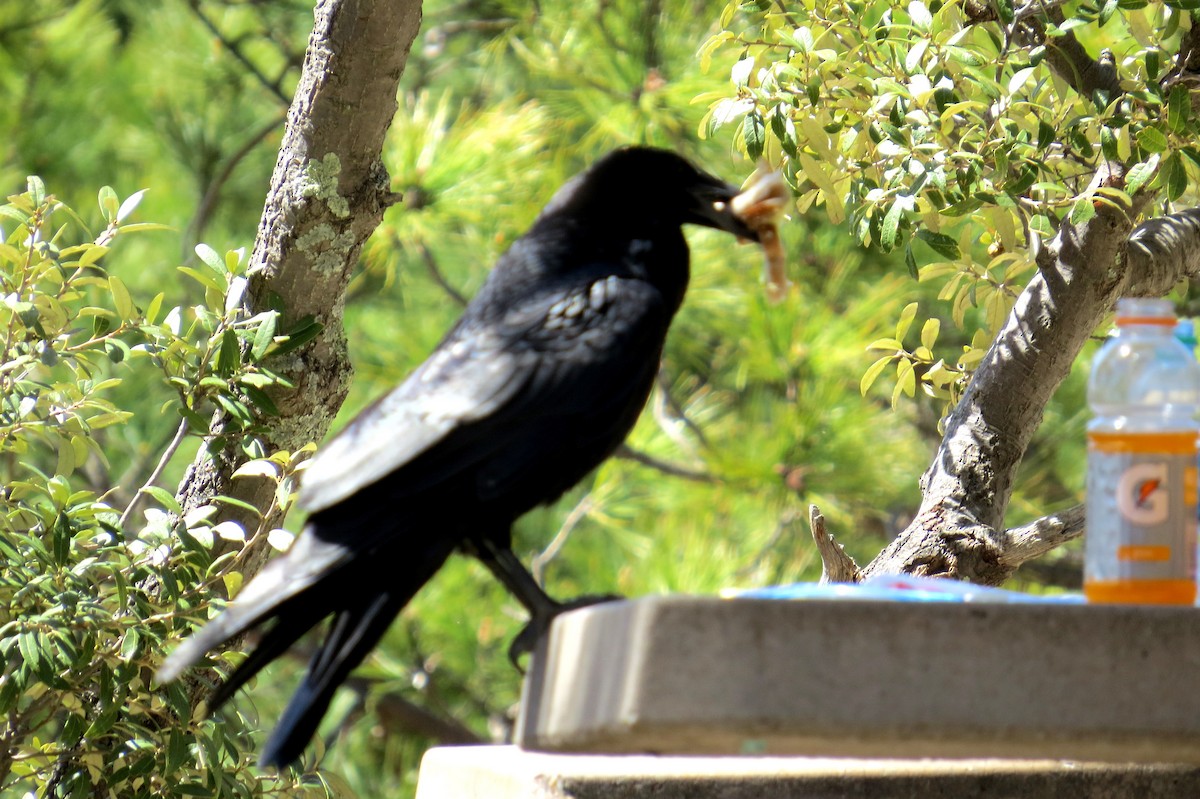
[1144, 392]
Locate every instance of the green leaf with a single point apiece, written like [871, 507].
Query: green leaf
[1040, 223]
[1179, 108]
[264, 336]
[1107, 10]
[234, 264]
[229, 356]
[872, 374]
[30, 648]
[1140, 173]
[888, 344]
[1018, 187]
[238, 503]
[754, 132]
[204, 278]
[929, 332]
[921, 18]
[233, 583]
[210, 257]
[965, 57]
[37, 189]
[262, 401]
[1108, 143]
[906, 381]
[196, 422]
[122, 302]
[91, 254]
[1153, 62]
[153, 308]
[1046, 135]
[910, 261]
[940, 243]
[109, 203]
[14, 214]
[1152, 140]
[905, 321]
[164, 498]
[130, 204]
[784, 130]
[890, 227]
[130, 644]
[304, 331]
[1174, 176]
[1082, 210]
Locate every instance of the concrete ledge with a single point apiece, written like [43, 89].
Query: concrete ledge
[505, 772]
[869, 679]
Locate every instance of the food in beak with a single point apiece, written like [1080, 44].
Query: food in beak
[760, 205]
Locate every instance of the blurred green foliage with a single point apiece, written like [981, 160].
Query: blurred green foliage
[89, 596]
[762, 409]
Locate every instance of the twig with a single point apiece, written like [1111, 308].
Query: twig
[436, 273]
[836, 564]
[204, 211]
[629, 453]
[269, 85]
[543, 558]
[667, 400]
[168, 453]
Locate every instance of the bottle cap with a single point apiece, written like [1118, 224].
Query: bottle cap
[1145, 311]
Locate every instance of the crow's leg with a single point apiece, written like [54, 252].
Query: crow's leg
[513, 575]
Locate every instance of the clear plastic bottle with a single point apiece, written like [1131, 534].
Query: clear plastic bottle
[1144, 392]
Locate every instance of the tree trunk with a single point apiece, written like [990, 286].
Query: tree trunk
[328, 194]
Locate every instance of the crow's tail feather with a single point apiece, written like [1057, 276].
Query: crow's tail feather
[363, 618]
[353, 633]
[286, 631]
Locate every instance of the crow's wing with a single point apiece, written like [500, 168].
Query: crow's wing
[563, 351]
[471, 376]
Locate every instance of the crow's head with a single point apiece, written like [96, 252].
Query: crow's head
[646, 184]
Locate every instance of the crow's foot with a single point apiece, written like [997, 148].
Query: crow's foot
[539, 625]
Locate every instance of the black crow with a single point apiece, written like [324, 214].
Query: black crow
[538, 382]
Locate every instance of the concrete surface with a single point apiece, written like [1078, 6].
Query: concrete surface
[868, 679]
[505, 772]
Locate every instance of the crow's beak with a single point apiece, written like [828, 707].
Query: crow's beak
[711, 208]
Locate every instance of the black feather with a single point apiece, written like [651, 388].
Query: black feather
[537, 383]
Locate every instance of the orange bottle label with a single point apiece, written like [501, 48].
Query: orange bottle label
[1141, 517]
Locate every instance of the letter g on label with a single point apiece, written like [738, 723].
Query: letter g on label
[1142, 493]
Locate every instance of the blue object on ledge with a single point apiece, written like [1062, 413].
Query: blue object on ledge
[900, 588]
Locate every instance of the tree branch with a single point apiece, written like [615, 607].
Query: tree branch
[836, 564]
[1039, 537]
[1064, 54]
[1162, 252]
